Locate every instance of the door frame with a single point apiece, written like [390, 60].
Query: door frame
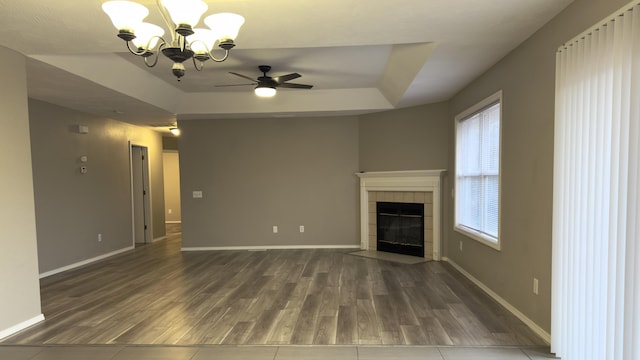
[147, 202]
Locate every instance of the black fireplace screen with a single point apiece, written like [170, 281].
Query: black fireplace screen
[400, 228]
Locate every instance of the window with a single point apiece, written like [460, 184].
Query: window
[477, 188]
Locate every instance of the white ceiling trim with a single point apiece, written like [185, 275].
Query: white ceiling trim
[302, 103]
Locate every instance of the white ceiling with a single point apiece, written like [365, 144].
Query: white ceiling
[361, 56]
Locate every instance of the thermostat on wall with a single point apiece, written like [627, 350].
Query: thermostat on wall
[83, 129]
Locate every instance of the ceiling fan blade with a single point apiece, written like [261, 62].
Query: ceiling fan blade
[283, 78]
[295, 86]
[253, 84]
[243, 76]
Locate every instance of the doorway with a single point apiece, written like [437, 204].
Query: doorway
[140, 195]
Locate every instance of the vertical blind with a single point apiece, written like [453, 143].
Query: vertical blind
[596, 215]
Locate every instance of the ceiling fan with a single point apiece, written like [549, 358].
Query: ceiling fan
[266, 85]
[172, 127]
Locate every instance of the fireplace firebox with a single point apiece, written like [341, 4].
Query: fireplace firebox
[400, 228]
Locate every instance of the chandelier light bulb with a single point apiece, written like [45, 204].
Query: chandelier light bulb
[125, 15]
[185, 13]
[225, 25]
[147, 36]
[202, 40]
[175, 131]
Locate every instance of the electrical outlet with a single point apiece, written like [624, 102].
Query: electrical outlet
[460, 245]
[275, 229]
[99, 237]
[535, 286]
[301, 228]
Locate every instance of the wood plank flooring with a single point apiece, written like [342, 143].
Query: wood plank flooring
[157, 295]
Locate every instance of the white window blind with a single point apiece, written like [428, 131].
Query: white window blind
[478, 172]
[596, 214]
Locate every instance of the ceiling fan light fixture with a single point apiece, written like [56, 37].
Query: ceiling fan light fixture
[175, 131]
[265, 91]
[267, 85]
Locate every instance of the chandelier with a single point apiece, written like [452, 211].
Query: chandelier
[187, 42]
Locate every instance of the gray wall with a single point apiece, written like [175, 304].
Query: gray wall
[527, 78]
[257, 173]
[415, 138]
[20, 294]
[72, 208]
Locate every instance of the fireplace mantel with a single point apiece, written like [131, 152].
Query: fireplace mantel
[394, 181]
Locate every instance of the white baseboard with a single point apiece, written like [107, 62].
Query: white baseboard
[173, 222]
[530, 323]
[271, 247]
[84, 262]
[19, 327]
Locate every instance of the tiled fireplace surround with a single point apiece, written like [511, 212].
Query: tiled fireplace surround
[415, 197]
[419, 186]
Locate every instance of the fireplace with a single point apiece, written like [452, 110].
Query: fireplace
[420, 187]
[400, 228]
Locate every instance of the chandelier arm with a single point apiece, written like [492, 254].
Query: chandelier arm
[144, 52]
[155, 58]
[196, 62]
[226, 55]
[134, 51]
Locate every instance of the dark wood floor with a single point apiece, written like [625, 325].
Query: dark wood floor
[157, 295]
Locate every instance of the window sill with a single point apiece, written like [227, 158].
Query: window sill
[490, 242]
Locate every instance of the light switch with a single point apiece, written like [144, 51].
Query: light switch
[197, 194]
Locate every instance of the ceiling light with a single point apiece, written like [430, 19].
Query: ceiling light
[175, 131]
[181, 17]
[265, 91]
